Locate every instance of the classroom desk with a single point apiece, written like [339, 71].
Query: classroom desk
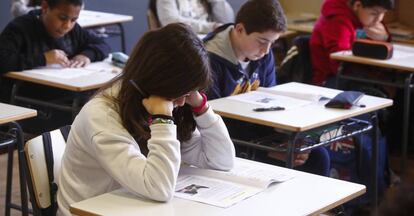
[91, 19]
[402, 63]
[304, 118]
[305, 194]
[9, 114]
[96, 75]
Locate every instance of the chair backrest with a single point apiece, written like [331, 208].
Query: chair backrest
[152, 17]
[297, 65]
[43, 162]
[302, 42]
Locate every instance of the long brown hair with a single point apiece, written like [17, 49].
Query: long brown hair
[167, 62]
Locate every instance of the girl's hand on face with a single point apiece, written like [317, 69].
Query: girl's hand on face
[194, 99]
[377, 32]
[156, 105]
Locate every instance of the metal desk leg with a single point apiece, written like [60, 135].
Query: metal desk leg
[9, 181]
[374, 164]
[122, 35]
[341, 70]
[406, 117]
[76, 104]
[291, 149]
[15, 88]
[18, 133]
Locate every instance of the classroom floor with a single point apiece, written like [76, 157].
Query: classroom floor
[394, 161]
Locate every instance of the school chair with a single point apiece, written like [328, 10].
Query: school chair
[302, 42]
[297, 65]
[43, 161]
[152, 19]
[11, 135]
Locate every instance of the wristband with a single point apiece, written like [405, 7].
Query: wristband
[152, 118]
[201, 106]
[162, 116]
[161, 121]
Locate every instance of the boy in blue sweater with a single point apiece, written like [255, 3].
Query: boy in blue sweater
[45, 37]
[48, 36]
[241, 60]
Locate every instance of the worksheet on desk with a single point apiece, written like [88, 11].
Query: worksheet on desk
[402, 52]
[226, 188]
[57, 71]
[265, 99]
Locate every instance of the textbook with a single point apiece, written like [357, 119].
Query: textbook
[224, 189]
[276, 97]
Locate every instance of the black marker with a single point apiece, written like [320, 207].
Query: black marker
[263, 109]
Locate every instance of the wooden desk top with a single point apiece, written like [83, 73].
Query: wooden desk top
[404, 41]
[288, 33]
[305, 194]
[301, 118]
[88, 19]
[397, 29]
[403, 58]
[301, 22]
[302, 27]
[9, 113]
[96, 75]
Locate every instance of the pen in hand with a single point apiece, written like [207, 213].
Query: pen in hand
[273, 108]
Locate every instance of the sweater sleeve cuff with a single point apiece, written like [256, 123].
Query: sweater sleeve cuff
[164, 130]
[206, 119]
[41, 61]
[90, 54]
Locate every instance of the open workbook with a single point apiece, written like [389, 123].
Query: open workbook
[57, 71]
[277, 97]
[223, 189]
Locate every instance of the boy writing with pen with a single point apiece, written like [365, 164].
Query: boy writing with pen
[49, 36]
[241, 61]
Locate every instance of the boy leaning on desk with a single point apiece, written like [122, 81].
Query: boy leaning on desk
[49, 36]
[241, 61]
[340, 24]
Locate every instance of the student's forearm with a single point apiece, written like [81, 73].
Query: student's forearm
[211, 147]
[15, 62]
[96, 51]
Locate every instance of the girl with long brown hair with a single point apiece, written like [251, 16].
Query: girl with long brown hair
[139, 128]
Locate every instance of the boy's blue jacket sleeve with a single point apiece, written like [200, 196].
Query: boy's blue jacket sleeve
[270, 70]
[215, 89]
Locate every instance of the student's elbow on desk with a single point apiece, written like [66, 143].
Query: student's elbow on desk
[228, 165]
[159, 187]
[224, 164]
[162, 194]
[156, 192]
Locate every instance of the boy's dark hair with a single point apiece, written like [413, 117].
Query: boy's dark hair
[387, 4]
[261, 16]
[53, 3]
